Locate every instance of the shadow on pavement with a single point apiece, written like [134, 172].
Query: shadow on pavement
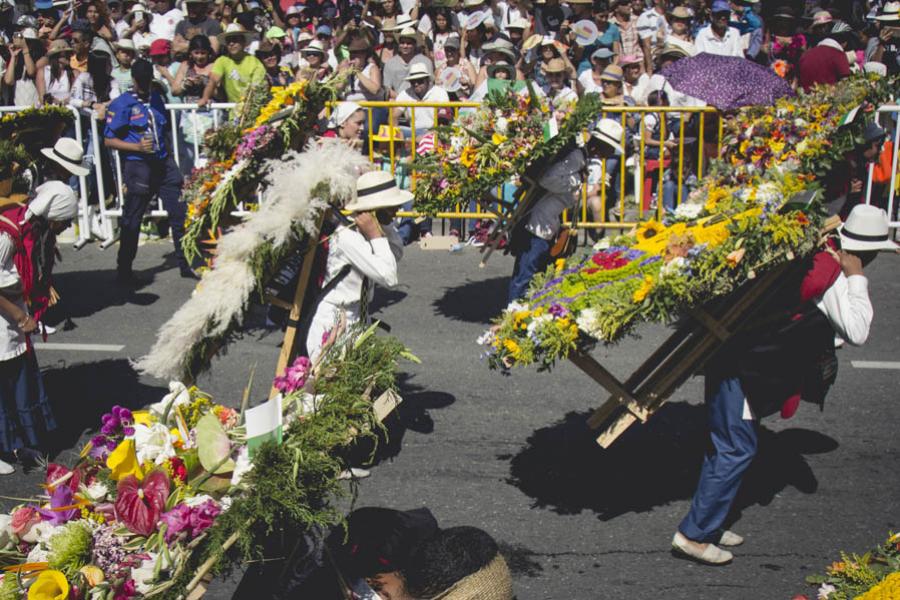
[84, 293]
[563, 469]
[412, 414]
[82, 392]
[475, 301]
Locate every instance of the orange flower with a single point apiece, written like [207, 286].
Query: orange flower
[735, 256]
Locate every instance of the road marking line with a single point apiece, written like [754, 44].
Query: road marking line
[875, 364]
[81, 347]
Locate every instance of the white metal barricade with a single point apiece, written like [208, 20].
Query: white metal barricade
[84, 215]
[893, 113]
[108, 214]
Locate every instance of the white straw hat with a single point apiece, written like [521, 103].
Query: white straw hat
[866, 228]
[418, 71]
[69, 154]
[609, 132]
[377, 189]
[235, 29]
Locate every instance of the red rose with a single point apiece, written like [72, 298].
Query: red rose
[23, 519]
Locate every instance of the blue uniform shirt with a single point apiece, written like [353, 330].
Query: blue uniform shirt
[129, 119]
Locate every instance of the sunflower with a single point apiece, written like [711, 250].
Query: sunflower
[468, 156]
[648, 229]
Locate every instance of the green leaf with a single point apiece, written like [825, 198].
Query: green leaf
[213, 446]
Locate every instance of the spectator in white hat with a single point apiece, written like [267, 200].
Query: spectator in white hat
[885, 47]
[421, 89]
[56, 79]
[235, 70]
[316, 59]
[125, 55]
[359, 255]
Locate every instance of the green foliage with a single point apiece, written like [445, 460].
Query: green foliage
[9, 588]
[856, 574]
[12, 153]
[70, 548]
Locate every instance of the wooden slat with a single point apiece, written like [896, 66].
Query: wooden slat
[617, 428]
[598, 373]
[707, 320]
[602, 414]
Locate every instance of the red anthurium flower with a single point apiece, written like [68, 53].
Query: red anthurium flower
[57, 472]
[139, 504]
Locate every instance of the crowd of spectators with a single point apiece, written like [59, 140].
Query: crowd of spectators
[79, 53]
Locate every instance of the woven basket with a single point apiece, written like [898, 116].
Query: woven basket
[492, 582]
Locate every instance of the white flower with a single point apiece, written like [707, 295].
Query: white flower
[145, 574]
[242, 466]
[308, 403]
[603, 244]
[587, 322]
[38, 554]
[516, 307]
[674, 267]
[5, 531]
[225, 502]
[198, 500]
[153, 443]
[825, 590]
[688, 210]
[485, 338]
[800, 122]
[501, 125]
[538, 322]
[96, 492]
[40, 533]
[178, 396]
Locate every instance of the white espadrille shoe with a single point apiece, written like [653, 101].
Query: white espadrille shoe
[730, 539]
[708, 554]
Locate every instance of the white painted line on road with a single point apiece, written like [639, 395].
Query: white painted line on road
[875, 364]
[81, 347]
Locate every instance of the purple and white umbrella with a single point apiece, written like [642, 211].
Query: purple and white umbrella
[726, 82]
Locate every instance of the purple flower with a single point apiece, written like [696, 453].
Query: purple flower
[558, 310]
[61, 497]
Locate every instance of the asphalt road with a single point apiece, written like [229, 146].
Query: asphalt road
[511, 454]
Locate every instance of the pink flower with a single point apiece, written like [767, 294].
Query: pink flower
[23, 520]
[203, 517]
[294, 377]
[177, 520]
[127, 591]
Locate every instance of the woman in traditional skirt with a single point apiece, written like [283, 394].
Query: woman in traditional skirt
[27, 249]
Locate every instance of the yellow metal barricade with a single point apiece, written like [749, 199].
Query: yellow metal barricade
[392, 147]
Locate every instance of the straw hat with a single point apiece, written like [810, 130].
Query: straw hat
[629, 59]
[61, 46]
[519, 23]
[474, 20]
[613, 73]
[673, 50]
[866, 228]
[889, 12]
[501, 46]
[418, 71]
[68, 153]
[501, 65]
[408, 33]
[402, 22]
[377, 189]
[314, 47]
[554, 65]
[146, 15]
[609, 132]
[822, 17]
[680, 12]
[234, 30]
[491, 582]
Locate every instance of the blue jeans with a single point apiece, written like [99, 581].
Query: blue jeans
[533, 259]
[25, 414]
[409, 229]
[734, 446]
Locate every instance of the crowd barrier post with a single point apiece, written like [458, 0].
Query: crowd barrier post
[893, 111]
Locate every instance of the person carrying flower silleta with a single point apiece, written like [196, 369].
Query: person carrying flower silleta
[533, 236]
[786, 355]
[358, 257]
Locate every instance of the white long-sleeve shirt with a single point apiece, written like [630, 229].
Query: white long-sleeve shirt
[562, 181]
[376, 260]
[12, 340]
[848, 308]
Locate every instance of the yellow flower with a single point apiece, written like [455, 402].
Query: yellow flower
[648, 230]
[511, 346]
[467, 158]
[641, 292]
[560, 264]
[93, 575]
[142, 417]
[123, 461]
[734, 257]
[49, 585]
[498, 139]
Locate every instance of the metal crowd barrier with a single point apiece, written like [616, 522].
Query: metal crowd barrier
[892, 112]
[394, 151]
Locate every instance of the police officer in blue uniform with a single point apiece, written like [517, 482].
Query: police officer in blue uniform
[137, 126]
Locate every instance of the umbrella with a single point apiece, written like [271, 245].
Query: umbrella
[726, 82]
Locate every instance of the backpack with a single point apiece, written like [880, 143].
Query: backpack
[35, 292]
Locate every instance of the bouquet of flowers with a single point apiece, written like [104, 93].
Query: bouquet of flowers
[738, 223]
[34, 126]
[265, 127]
[487, 147]
[874, 575]
[159, 496]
